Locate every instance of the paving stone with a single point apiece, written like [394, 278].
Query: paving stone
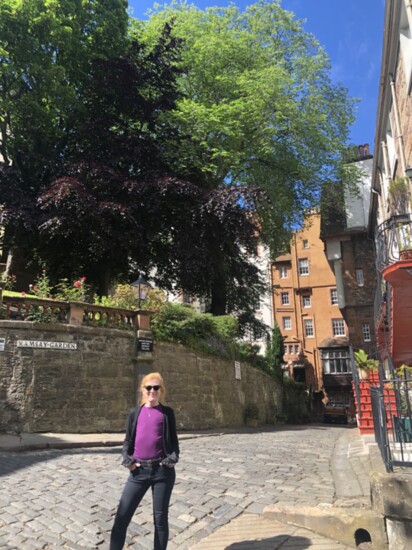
[218, 478]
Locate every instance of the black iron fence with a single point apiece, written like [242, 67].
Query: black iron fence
[394, 240]
[392, 415]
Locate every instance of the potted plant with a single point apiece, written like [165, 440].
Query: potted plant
[365, 364]
[399, 196]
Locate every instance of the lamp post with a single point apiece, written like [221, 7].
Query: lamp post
[140, 288]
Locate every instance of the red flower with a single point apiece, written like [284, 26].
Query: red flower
[77, 284]
[82, 279]
[23, 294]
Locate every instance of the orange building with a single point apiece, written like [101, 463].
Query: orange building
[307, 312]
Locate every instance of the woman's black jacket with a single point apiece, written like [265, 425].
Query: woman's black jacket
[170, 441]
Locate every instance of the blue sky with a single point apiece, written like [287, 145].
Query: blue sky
[351, 32]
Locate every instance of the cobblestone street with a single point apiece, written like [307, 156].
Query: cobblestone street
[67, 498]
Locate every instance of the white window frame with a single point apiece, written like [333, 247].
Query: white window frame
[285, 298]
[287, 323]
[335, 361]
[305, 243]
[366, 332]
[306, 297]
[303, 264]
[297, 349]
[334, 296]
[309, 328]
[338, 327]
[360, 278]
[283, 272]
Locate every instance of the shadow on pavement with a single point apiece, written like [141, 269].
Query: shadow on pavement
[12, 461]
[272, 543]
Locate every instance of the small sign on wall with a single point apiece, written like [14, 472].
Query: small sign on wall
[42, 344]
[2, 344]
[238, 374]
[144, 344]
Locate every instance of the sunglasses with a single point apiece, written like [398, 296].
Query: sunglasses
[155, 388]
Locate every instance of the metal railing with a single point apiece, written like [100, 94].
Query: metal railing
[392, 414]
[394, 240]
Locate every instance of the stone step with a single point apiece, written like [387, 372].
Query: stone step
[342, 524]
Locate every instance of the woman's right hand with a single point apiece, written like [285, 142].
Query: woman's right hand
[133, 466]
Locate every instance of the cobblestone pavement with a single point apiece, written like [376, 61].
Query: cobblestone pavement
[67, 498]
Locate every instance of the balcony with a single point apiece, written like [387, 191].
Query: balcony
[394, 263]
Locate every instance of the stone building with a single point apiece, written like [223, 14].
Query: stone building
[350, 252]
[306, 308]
[390, 221]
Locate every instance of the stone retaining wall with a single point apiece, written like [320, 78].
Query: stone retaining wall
[91, 388]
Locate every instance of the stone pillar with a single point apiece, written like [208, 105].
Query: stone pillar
[391, 497]
[76, 313]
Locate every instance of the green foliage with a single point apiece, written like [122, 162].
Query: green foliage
[154, 300]
[296, 403]
[258, 106]
[42, 314]
[363, 361]
[399, 197]
[205, 333]
[9, 280]
[42, 287]
[275, 350]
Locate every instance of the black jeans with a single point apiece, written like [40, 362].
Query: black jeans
[161, 479]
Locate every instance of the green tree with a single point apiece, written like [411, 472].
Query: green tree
[275, 350]
[258, 107]
[47, 48]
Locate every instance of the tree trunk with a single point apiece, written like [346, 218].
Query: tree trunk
[218, 288]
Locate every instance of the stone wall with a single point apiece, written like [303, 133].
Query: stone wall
[81, 390]
[205, 394]
[91, 388]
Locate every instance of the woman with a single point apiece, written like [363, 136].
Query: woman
[150, 452]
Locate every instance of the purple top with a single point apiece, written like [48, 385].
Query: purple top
[149, 434]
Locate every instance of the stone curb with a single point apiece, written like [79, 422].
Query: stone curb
[341, 524]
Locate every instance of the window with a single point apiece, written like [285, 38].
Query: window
[366, 331]
[306, 300]
[283, 272]
[297, 349]
[338, 327]
[287, 323]
[303, 266]
[290, 349]
[285, 298]
[359, 277]
[405, 40]
[308, 324]
[186, 298]
[335, 361]
[305, 243]
[334, 296]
